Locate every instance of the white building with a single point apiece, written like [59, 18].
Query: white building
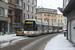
[29, 9]
[69, 12]
[65, 23]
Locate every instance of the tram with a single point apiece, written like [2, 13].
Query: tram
[34, 27]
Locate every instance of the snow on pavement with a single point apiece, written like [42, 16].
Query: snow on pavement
[59, 43]
[10, 40]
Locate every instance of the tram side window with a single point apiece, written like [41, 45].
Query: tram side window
[60, 28]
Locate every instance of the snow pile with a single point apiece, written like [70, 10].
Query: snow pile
[59, 43]
[10, 40]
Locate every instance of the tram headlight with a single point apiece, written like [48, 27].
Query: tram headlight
[24, 32]
[32, 32]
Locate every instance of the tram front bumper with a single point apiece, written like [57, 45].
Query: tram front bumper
[30, 34]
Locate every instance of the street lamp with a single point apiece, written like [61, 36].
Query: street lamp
[58, 26]
[48, 22]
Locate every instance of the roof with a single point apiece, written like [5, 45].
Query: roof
[45, 23]
[46, 10]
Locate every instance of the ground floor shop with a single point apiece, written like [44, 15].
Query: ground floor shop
[3, 27]
[71, 27]
[71, 31]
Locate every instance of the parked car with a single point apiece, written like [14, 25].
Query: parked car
[65, 32]
[20, 32]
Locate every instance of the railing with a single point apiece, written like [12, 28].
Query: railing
[17, 25]
[17, 6]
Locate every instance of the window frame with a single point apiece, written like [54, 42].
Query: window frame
[2, 13]
[6, 14]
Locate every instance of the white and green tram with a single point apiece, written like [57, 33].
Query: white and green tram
[33, 27]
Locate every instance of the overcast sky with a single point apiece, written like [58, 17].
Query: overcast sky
[50, 3]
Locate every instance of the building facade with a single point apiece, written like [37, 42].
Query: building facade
[65, 23]
[69, 12]
[15, 15]
[29, 9]
[19, 10]
[60, 18]
[3, 16]
[47, 14]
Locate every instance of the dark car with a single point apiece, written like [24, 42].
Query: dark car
[65, 32]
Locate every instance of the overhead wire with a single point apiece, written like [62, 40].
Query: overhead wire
[43, 3]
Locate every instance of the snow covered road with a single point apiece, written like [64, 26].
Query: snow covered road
[59, 43]
[10, 40]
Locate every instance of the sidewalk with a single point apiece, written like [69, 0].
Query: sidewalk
[10, 40]
[59, 43]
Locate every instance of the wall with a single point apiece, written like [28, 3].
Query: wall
[26, 12]
[44, 17]
[60, 18]
[71, 32]
[4, 6]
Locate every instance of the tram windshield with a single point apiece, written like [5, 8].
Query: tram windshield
[60, 28]
[29, 26]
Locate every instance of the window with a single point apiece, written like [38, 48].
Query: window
[44, 19]
[24, 5]
[35, 2]
[1, 12]
[20, 2]
[27, 7]
[61, 16]
[32, 9]
[61, 21]
[48, 20]
[65, 21]
[58, 15]
[35, 17]
[1, 0]
[52, 15]
[6, 1]
[48, 15]
[40, 14]
[32, 1]
[58, 20]
[17, 2]
[6, 13]
[54, 10]
[39, 18]
[28, 0]
[52, 20]
[35, 11]
[32, 16]
[44, 14]
[10, 12]
[28, 16]
[10, 0]
[24, 16]
[17, 17]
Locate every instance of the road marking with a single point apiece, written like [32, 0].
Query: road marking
[31, 44]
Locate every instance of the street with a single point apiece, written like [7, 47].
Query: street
[32, 43]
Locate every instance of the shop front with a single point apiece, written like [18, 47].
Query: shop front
[3, 27]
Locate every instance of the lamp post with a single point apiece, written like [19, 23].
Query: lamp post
[48, 22]
[58, 26]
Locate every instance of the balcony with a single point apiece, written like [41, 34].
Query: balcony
[10, 14]
[68, 7]
[17, 25]
[17, 6]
